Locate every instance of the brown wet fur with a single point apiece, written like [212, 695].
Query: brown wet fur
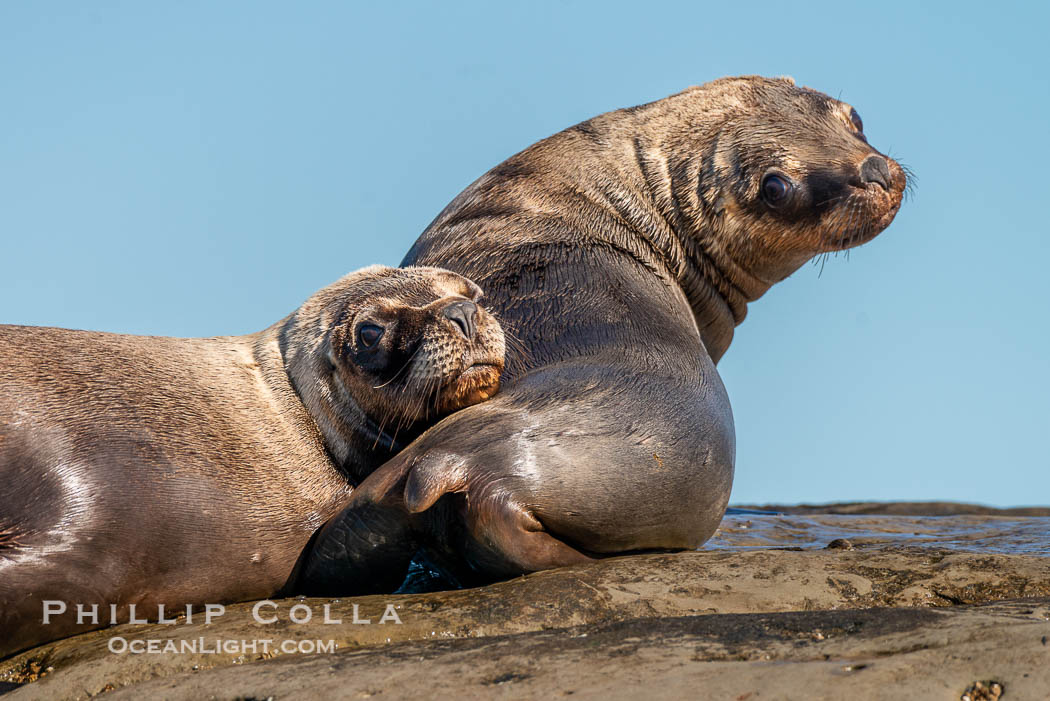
[620, 254]
[150, 470]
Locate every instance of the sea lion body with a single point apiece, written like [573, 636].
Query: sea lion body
[622, 253]
[151, 470]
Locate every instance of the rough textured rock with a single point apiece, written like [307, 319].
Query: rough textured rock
[558, 630]
[866, 653]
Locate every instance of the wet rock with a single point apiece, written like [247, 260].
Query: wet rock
[715, 607]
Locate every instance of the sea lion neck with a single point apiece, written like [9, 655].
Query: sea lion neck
[292, 362]
[660, 198]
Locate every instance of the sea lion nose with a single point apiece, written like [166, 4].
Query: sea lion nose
[874, 169]
[462, 315]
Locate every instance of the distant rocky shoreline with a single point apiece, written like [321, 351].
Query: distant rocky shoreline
[901, 508]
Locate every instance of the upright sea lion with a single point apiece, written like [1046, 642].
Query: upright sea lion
[622, 252]
[163, 471]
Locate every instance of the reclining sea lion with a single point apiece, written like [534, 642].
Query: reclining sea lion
[165, 471]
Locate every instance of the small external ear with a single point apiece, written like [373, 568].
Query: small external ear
[457, 285]
[475, 291]
[337, 345]
[338, 321]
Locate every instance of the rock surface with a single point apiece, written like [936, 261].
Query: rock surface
[888, 654]
[777, 623]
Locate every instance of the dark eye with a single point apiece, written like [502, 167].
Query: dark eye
[858, 123]
[369, 334]
[775, 190]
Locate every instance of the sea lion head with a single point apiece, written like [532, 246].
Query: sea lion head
[389, 348]
[784, 173]
[417, 344]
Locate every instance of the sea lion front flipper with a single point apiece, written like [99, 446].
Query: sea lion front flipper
[455, 504]
[455, 483]
[367, 547]
[505, 537]
[500, 533]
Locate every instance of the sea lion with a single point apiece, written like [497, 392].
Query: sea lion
[622, 253]
[163, 471]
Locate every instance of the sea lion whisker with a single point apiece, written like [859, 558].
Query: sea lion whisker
[842, 213]
[861, 230]
[833, 200]
[911, 183]
[834, 227]
[520, 351]
[382, 425]
[433, 395]
[844, 232]
[408, 362]
[849, 230]
[517, 343]
[423, 386]
[853, 209]
[514, 341]
[420, 387]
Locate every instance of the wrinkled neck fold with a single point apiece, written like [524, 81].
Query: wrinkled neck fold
[678, 232]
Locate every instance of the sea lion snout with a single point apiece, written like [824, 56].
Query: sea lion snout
[470, 346]
[874, 169]
[462, 313]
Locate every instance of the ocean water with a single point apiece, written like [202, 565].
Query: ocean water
[747, 529]
[756, 529]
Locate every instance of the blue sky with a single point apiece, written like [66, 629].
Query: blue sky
[200, 168]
